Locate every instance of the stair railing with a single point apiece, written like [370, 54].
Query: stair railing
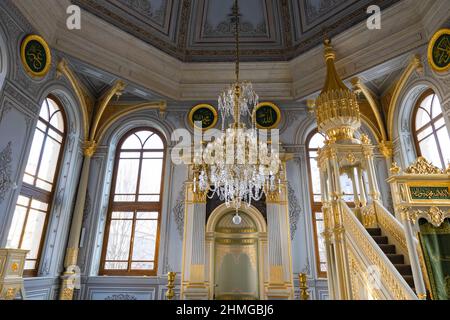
[408, 246]
[395, 287]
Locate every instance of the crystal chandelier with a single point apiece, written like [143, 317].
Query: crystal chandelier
[238, 167]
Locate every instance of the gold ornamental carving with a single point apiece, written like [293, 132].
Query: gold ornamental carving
[273, 197]
[303, 285]
[434, 215]
[14, 267]
[67, 294]
[10, 294]
[395, 169]
[423, 166]
[170, 294]
[89, 148]
[369, 217]
[387, 149]
[200, 197]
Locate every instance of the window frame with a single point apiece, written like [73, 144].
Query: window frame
[134, 207]
[39, 194]
[431, 124]
[316, 207]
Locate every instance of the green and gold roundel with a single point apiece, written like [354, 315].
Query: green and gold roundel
[36, 56]
[267, 115]
[204, 113]
[439, 51]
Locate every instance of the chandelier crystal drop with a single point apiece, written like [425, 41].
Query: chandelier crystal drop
[240, 166]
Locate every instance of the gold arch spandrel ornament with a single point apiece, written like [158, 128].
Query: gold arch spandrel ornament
[274, 107]
[37, 56]
[203, 106]
[444, 50]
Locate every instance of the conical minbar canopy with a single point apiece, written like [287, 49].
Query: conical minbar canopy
[337, 107]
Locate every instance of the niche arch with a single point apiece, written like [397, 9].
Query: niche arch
[215, 233]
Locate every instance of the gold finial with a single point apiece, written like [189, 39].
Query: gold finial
[365, 139]
[395, 169]
[333, 81]
[447, 171]
[304, 295]
[170, 294]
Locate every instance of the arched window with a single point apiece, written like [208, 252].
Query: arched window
[315, 141]
[430, 133]
[132, 230]
[31, 215]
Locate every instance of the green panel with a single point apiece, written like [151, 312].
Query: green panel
[435, 242]
[35, 56]
[205, 116]
[441, 51]
[429, 193]
[266, 116]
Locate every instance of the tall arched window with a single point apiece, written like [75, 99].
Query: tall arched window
[429, 130]
[315, 141]
[31, 215]
[132, 231]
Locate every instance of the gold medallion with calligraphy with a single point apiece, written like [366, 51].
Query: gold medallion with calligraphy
[36, 56]
[267, 115]
[439, 51]
[204, 113]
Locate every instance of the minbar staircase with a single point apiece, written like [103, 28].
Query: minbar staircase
[398, 260]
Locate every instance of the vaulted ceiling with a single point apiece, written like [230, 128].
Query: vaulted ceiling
[201, 30]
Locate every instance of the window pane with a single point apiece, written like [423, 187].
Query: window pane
[154, 142]
[16, 228]
[142, 265]
[422, 118]
[145, 240]
[33, 233]
[148, 198]
[122, 215]
[44, 185]
[154, 155]
[429, 150]
[116, 265]
[119, 240]
[436, 109]
[35, 153]
[30, 265]
[44, 113]
[130, 155]
[317, 141]
[151, 176]
[38, 205]
[55, 135]
[425, 133]
[315, 176]
[444, 142]
[132, 142]
[127, 175]
[426, 103]
[49, 160]
[125, 198]
[147, 215]
[57, 121]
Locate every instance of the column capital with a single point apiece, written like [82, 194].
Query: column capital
[89, 148]
[200, 197]
[273, 197]
[386, 148]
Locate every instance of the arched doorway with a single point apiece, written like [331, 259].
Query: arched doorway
[236, 254]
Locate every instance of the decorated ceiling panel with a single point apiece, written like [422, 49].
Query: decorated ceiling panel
[202, 30]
